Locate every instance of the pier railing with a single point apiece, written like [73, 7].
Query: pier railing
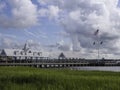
[59, 62]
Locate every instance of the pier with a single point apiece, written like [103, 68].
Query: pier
[36, 58]
[60, 63]
[45, 65]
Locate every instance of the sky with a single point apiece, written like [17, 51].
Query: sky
[62, 25]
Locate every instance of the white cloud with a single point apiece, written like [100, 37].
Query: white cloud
[80, 19]
[52, 12]
[23, 14]
[36, 34]
[2, 6]
[8, 41]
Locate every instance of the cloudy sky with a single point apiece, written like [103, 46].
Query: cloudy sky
[65, 25]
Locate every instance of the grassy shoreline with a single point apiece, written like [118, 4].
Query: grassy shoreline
[28, 78]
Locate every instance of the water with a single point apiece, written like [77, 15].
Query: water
[98, 68]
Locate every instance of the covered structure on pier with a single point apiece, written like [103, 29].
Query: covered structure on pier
[23, 54]
[18, 54]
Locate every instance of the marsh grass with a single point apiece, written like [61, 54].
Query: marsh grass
[28, 78]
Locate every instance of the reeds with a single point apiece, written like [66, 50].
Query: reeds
[28, 78]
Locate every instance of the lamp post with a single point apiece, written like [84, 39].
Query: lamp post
[98, 42]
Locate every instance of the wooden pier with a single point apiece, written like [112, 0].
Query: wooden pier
[45, 65]
[60, 63]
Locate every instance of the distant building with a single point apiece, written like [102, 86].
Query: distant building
[61, 56]
[65, 55]
[23, 54]
[28, 54]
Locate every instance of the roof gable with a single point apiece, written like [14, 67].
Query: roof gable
[3, 53]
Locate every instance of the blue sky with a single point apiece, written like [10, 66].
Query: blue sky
[44, 32]
[67, 26]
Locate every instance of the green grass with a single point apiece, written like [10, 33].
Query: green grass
[28, 78]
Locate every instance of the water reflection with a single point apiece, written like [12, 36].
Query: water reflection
[99, 68]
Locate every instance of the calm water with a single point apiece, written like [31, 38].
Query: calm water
[99, 68]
